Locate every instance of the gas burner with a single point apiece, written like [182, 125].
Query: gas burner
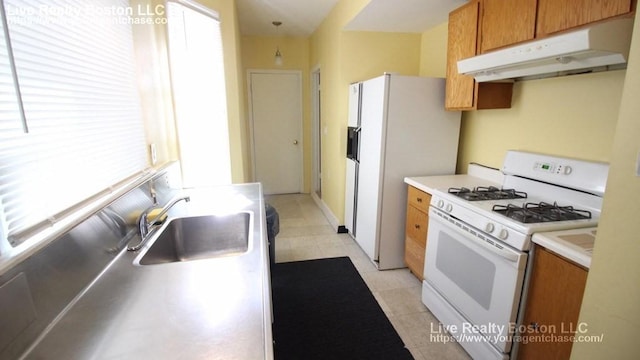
[487, 193]
[541, 212]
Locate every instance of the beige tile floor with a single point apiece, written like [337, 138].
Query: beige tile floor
[306, 234]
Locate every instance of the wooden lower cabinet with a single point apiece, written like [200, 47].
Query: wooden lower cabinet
[552, 307]
[416, 230]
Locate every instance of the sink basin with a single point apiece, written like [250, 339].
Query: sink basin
[200, 237]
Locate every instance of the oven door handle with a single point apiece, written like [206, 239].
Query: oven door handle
[500, 252]
[505, 254]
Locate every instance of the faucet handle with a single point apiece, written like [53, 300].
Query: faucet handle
[154, 196]
[144, 226]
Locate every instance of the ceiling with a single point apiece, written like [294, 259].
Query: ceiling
[300, 18]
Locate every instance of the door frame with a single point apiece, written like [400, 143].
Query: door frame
[298, 73]
[316, 140]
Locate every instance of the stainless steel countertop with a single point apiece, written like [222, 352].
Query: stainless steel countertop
[204, 309]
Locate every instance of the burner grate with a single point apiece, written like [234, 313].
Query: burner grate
[487, 193]
[541, 212]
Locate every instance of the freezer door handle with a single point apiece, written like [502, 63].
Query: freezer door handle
[353, 140]
[356, 145]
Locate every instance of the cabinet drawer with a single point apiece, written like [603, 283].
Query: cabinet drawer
[414, 257]
[417, 225]
[418, 198]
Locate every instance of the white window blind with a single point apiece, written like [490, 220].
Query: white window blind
[199, 92]
[74, 67]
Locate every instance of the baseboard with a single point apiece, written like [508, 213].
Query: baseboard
[333, 220]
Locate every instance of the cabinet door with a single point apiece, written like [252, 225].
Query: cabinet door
[506, 22]
[416, 240]
[461, 44]
[462, 91]
[553, 305]
[558, 15]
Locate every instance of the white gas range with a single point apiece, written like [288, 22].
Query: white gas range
[479, 238]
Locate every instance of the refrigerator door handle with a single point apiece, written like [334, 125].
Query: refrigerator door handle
[353, 143]
[356, 145]
[355, 201]
[351, 138]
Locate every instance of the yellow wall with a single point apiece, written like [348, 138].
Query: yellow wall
[326, 54]
[611, 304]
[572, 116]
[258, 54]
[345, 57]
[367, 55]
[433, 51]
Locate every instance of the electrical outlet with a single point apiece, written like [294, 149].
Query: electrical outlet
[154, 154]
[638, 165]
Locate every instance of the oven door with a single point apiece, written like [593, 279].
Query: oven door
[479, 278]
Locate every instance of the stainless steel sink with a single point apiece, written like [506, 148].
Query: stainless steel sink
[200, 237]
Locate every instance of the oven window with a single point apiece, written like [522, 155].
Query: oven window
[472, 272]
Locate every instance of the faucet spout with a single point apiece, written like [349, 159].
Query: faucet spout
[145, 226]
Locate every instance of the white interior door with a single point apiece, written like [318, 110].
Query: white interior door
[276, 112]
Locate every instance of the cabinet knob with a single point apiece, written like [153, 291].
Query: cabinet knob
[417, 226]
[419, 200]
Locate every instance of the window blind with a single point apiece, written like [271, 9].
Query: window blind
[199, 93]
[74, 67]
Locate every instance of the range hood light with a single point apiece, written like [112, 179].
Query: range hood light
[598, 46]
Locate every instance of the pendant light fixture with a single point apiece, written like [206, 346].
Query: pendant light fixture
[278, 56]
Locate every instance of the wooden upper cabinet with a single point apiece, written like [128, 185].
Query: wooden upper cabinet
[558, 15]
[481, 26]
[506, 22]
[461, 44]
[462, 91]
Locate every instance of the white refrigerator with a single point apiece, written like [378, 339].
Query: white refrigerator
[397, 128]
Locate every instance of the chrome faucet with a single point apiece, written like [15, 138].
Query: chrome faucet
[145, 226]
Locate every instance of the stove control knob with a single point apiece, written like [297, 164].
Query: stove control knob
[503, 234]
[449, 208]
[440, 204]
[489, 228]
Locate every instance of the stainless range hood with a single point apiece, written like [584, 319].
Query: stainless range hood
[599, 45]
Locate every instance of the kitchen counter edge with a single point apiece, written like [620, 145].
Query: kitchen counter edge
[211, 308]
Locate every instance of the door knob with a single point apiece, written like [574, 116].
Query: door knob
[295, 142]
